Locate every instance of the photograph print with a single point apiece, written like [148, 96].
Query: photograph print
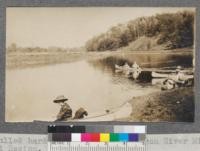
[75, 64]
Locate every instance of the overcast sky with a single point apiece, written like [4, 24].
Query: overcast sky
[68, 27]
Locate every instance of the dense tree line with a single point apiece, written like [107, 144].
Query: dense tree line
[175, 29]
[13, 48]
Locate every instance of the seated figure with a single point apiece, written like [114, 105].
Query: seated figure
[65, 112]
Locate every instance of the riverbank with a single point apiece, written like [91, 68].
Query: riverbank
[166, 106]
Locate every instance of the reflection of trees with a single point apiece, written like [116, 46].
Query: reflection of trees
[105, 64]
[143, 60]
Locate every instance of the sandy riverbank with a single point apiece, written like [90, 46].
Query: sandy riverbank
[166, 106]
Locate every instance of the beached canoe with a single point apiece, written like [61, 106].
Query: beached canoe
[117, 67]
[123, 111]
[124, 67]
[179, 76]
[157, 81]
[161, 75]
[134, 68]
[133, 71]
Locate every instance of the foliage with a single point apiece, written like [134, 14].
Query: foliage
[13, 48]
[175, 29]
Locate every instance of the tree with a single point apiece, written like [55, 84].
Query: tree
[12, 48]
[176, 29]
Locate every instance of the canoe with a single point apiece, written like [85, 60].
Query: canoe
[118, 67]
[162, 75]
[179, 76]
[127, 67]
[157, 81]
[123, 111]
[124, 67]
[133, 71]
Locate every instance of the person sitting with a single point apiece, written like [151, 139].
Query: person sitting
[168, 84]
[65, 112]
[180, 78]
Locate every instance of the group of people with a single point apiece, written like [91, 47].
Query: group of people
[65, 112]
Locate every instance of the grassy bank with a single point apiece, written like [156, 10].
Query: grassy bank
[171, 106]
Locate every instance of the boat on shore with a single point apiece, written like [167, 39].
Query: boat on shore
[123, 111]
[118, 67]
[124, 67]
[178, 76]
[157, 81]
[177, 73]
[129, 71]
[162, 75]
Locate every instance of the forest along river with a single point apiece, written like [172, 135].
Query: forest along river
[92, 85]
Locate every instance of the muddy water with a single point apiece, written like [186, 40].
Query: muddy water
[92, 85]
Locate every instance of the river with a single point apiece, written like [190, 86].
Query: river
[89, 84]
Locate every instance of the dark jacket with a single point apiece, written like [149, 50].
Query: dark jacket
[65, 112]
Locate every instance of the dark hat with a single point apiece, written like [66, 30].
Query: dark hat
[60, 99]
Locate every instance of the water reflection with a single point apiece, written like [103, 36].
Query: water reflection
[162, 61]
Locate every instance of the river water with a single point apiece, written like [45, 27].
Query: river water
[89, 84]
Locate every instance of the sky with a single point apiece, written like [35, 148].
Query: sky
[68, 27]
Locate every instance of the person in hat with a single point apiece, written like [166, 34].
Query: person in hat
[65, 111]
[168, 84]
[180, 79]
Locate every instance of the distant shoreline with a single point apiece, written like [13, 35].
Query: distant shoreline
[23, 60]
